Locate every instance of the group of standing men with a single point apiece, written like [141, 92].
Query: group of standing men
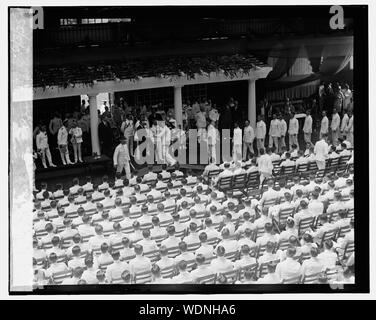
[278, 130]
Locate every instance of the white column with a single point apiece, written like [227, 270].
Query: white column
[95, 148]
[252, 103]
[178, 105]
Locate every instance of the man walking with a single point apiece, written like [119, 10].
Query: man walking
[121, 158]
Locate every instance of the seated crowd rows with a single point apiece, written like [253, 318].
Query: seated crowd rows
[173, 227]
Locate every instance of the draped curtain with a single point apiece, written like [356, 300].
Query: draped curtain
[334, 61]
[282, 60]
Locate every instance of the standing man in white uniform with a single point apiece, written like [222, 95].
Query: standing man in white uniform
[274, 132]
[237, 143]
[121, 158]
[293, 131]
[260, 133]
[212, 142]
[282, 132]
[334, 126]
[307, 127]
[324, 125]
[321, 151]
[62, 141]
[248, 137]
[43, 147]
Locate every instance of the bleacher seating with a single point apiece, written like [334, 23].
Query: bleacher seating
[249, 187]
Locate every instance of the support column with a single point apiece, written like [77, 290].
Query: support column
[252, 103]
[178, 105]
[95, 147]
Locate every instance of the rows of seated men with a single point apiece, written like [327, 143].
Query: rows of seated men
[287, 162]
[174, 228]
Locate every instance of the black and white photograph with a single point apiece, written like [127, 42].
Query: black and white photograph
[188, 149]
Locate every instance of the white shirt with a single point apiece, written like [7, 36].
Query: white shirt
[274, 129]
[237, 138]
[335, 122]
[293, 126]
[324, 125]
[221, 264]
[260, 130]
[321, 150]
[307, 128]
[249, 134]
[344, 122]
[62, 136]
[288, 268]
[42, 140]
[139, 264]
[282, 127]
[327, 258]
[265, 164]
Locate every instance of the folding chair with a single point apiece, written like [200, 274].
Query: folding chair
[232, 256]
[311, 278]
[231, 276]
[253, 180]
[159, 239]
[283, 245]
[142, 277]
[173, 252]
[170, 209]
[86, 238]
[58, 277]
[193, 246]
[292, 280]
[166, 223]
[302, 168]
[305, 225]
[288, 170]
[263, 268]
[328, 235]
[252, 267]
[181, 234]
[333, 216]
[332, 273]
[259, 232]
[283, 215]
[349, 249]
[239, 182]
[104, 266]
[350, 213]
[209, 279]
[152, 255]
[224, 183]
[135, 214]
[343, 231]
[168, 272]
